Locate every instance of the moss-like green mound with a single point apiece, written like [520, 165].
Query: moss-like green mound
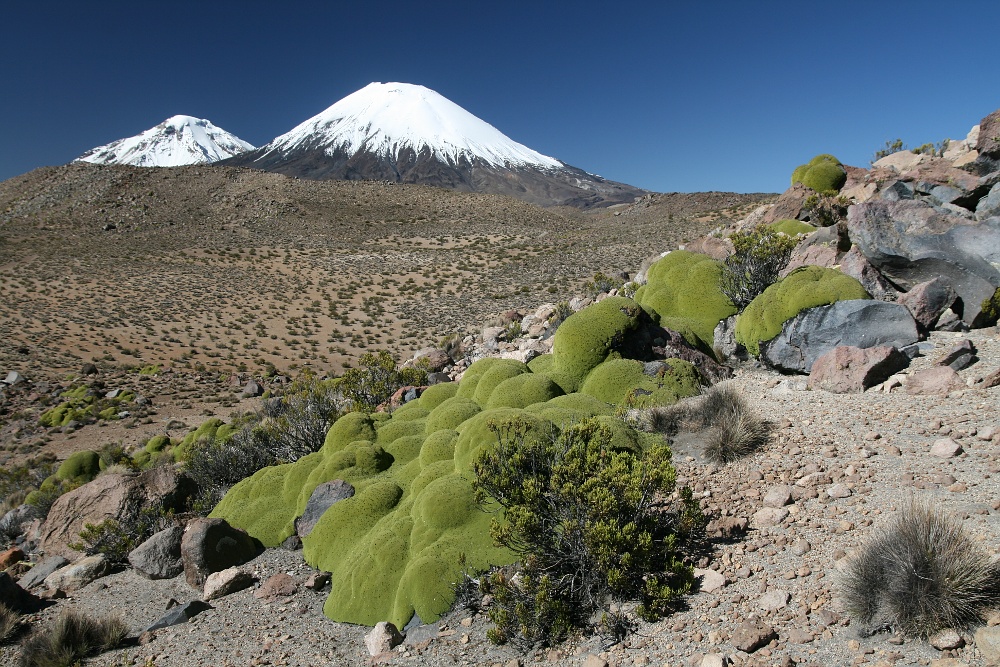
[805, 287]
[792, 227]
[622, 380]
[80, 467]
[824, 174]
[682, 289]
[588, 337]
[212, 428]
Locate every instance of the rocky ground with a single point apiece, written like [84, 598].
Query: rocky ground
[843, 463]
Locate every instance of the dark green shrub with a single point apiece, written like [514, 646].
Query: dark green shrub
[889, 148]
[591, 525]
[373, 384]
[758, 257]
[216, 464]
[70, 638]
[116, 538]
[601, 284]
[919, 574]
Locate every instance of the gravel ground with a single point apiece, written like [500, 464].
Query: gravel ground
[849, 461]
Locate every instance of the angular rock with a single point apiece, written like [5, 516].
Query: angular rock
[222, 583]
[791, 204]
[714, 660]
[749, 636]
[383, 638]
[211, 545]
[839, 491]
[320, 500]
[36, 575]
[432, 358]
[811, 255]
[77, 575]
[936, 381]
[10, 557]
[711, 580]
[857, 266]
[928, 300]
[724, 340]
[945, 448]
[180, 614]
[989, 206]
[13, 522]
[769, 516]
[110, 497]
[846, 369]
[317, 581]
[862, 323]
[14, 378]
[16, 597]
[276, 586]
[669, 344]
[959, 357]
[778, 496]
[911, 242]
[252, 389]
[159, 557]
[989, 135]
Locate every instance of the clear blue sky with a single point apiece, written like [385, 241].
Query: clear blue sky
[666, 96]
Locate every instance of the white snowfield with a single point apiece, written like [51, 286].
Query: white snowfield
[384, 118]
[177, 141]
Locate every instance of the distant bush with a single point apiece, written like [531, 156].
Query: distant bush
[920, 574]
[70, 638]
[889, 148]
[18, 482]
[377, 379]
[591, 524]
[758, 257]
[601, 284]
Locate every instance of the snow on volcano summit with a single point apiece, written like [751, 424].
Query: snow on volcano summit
[385, 119]
[177, 141]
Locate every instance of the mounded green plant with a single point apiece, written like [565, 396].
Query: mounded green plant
[791, 227]
[80, 467]
[824, 174]
[805, 287]
[591, 524]
[70, 638]
[919, 574]
[623, 381]
[759, 256]
[683, 290]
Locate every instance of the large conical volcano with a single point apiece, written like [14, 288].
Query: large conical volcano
[410, 134]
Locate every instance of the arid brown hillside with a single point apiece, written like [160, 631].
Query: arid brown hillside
[230, 267]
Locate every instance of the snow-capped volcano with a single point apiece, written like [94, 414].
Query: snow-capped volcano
[177, 141]
[408, 133]
[387, 118]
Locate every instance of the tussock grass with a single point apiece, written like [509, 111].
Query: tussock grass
[727, 425]
[71, 637]
[919, 574]
[10, 622]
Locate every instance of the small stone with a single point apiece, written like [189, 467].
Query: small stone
[799, 636]
[946, 448]
[277, 585]
[711, 580]
[839, 491]
[383, 638]
[988, 642]
[769, 516]
[317, 581]
[224, 582]
[778, 496]
[945, 640]
[801, 547]
[593, 660]
[774, 600]
[749, 637]
[713, 660]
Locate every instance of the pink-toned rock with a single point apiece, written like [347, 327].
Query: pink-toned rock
[790, 204]
[989, 135]
[811, 255]
[937, 381]
[715, 248]
[927, 300]
[769, 516]
[711, 580]
[278, 585]
[383, 638]
[846, 369]
[946, 448]
[11, 556]
[108, 497]
[224, 582]
[857, 266]
[778, 496]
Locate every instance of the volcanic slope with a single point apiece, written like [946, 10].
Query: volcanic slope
[221, 267]
[177, 141]
[407, 133]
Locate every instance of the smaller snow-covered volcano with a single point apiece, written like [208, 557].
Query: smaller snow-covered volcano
[410, 134]
[177, 141]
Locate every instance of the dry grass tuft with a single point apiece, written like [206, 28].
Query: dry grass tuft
[71, 637]
[10, 622]
[919, 574]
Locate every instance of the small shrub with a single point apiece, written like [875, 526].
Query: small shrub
[116, 538]
[512, 331]
[373, 384]
[889, 148]
[591, 524]
[27, 477]
[72, 637]
[919, 574]
[216, 464]
[758, 257]
[602, 284]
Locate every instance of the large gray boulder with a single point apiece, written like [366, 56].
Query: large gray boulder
[212, 545]
[159, 557]
[912, 242]
[321, 499]
[859, 323]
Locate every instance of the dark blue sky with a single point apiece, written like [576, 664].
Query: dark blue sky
[661, 95]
